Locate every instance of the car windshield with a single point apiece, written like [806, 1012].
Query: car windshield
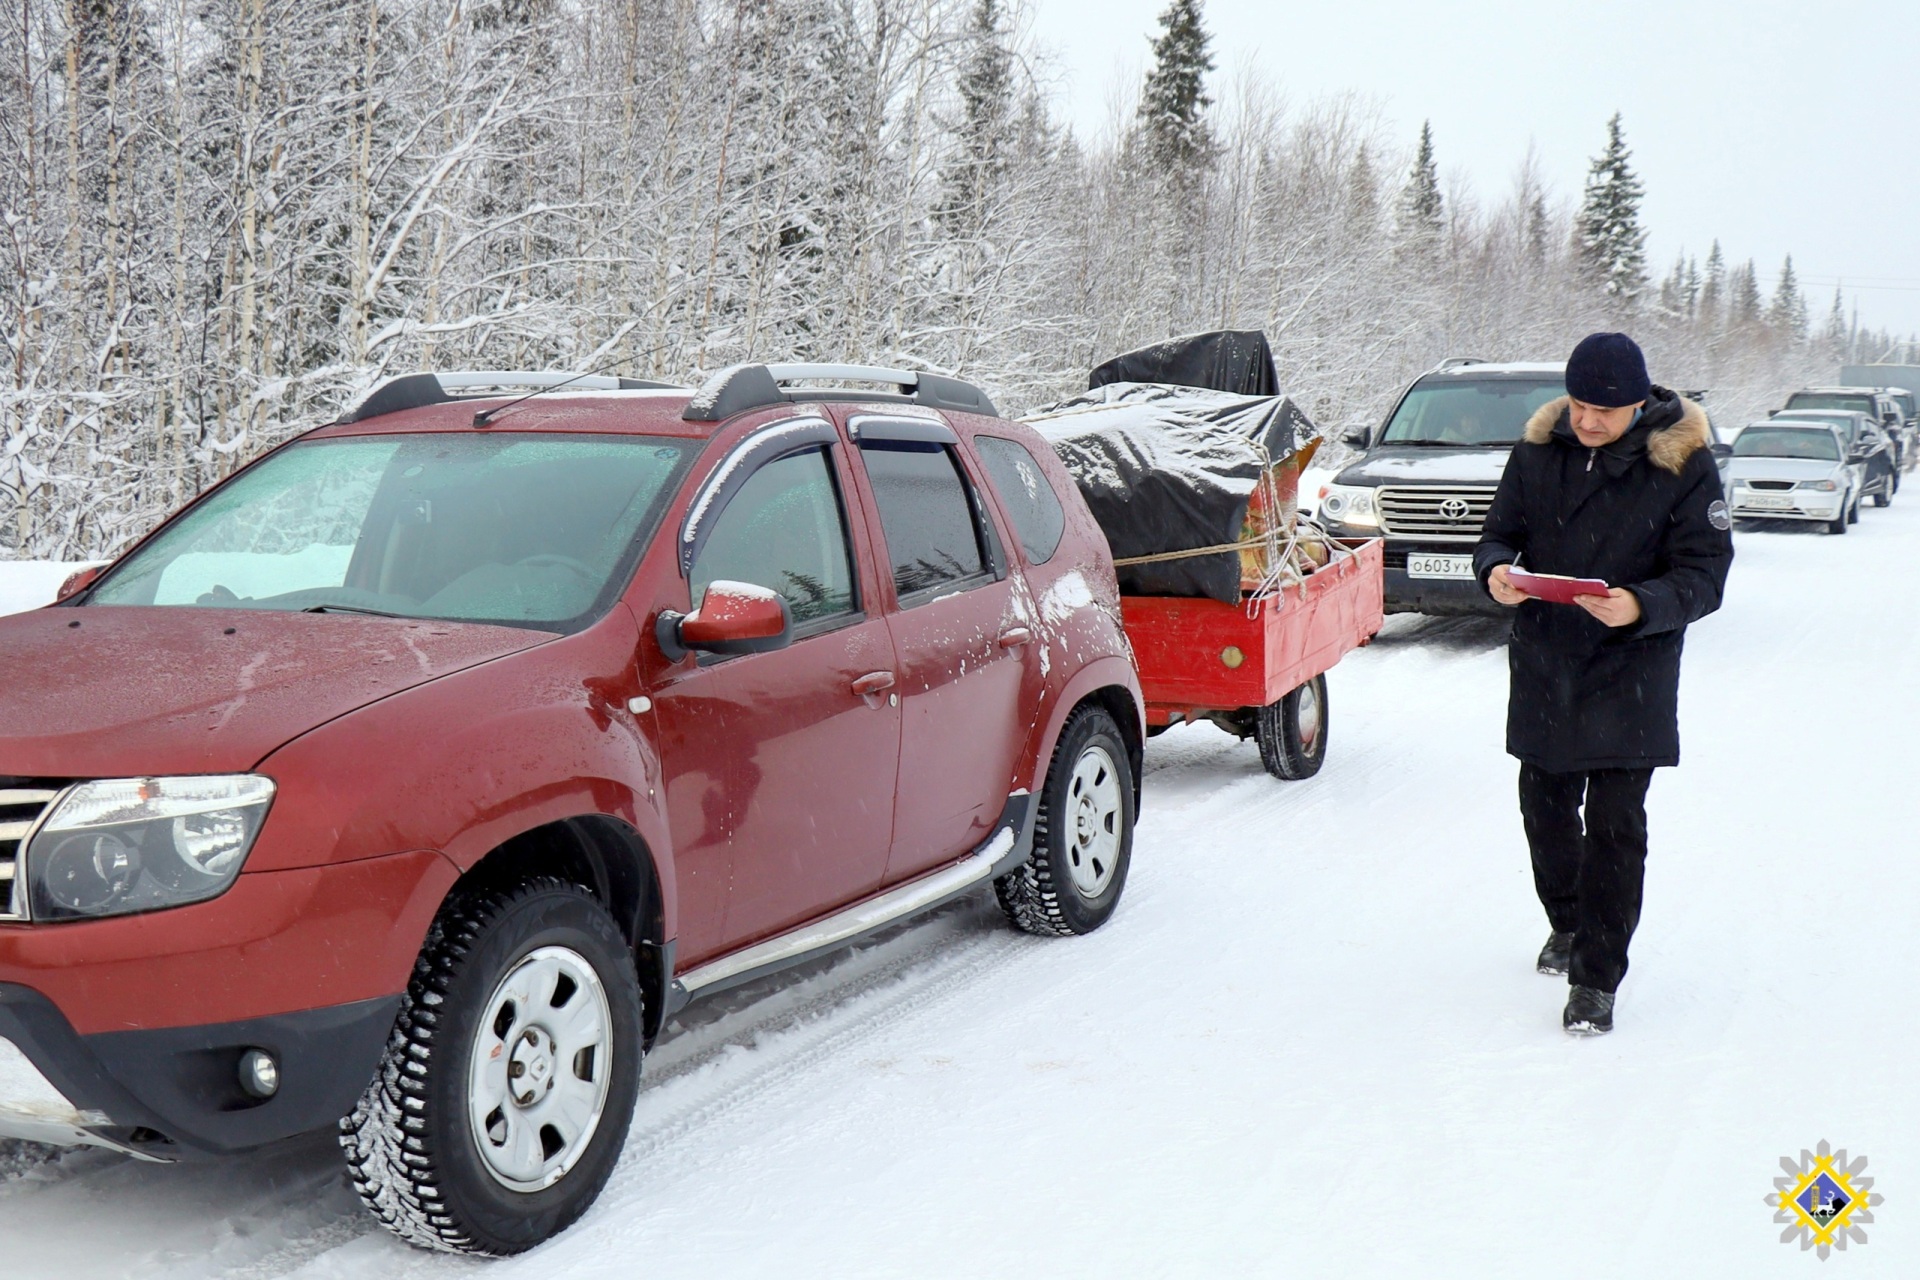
[1845, 423]
[1787, 442]
[526, 530]
[1830, 400]
[1468, 413]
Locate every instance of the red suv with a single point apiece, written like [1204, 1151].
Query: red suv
[422, 770]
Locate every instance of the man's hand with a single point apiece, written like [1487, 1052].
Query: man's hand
[1503, 591]
[1618, 608]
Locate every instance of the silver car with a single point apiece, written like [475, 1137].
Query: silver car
[1793, 471]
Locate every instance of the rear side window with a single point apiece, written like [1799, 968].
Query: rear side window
[1016, 476]
[784, 531]
[926, 512]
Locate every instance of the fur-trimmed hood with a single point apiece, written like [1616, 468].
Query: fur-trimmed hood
[1668, 447]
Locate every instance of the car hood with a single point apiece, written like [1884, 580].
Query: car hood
[131, 691]
[1426, 464]
[1780, 469]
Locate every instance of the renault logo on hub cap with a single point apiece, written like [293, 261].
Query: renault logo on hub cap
[1455, 508]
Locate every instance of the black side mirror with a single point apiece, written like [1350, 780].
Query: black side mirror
[1721, 451]
[1358, 438]
[1773, 413]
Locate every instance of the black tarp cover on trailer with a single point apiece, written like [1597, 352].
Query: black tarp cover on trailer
[1236, 360]
[1170, 468]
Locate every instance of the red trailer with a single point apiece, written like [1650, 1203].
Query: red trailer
[1258, 669]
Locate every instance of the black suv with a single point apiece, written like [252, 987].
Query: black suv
[1428, 474]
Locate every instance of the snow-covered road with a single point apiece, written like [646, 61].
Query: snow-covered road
[1310, 1044]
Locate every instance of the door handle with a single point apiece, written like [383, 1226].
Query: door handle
[874, 682]
[1014, 637]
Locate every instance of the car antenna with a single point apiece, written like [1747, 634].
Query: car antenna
[484, 417]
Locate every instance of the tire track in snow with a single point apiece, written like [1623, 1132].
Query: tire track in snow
[778, 1048]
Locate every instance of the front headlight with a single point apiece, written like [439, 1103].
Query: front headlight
[1824, 486]
[1350, 504]
[122, 845]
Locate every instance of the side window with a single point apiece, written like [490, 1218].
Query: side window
[926, 512]
[784, 530]
[1015, 474]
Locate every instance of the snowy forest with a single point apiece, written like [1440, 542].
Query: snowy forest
[225, 219]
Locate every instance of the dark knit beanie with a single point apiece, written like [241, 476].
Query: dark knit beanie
[1607, 370]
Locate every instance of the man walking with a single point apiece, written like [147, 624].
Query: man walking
[1616, 482]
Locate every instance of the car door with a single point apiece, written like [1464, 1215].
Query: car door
[782, 749]
[962, 641]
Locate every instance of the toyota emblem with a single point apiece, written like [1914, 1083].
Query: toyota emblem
[1455, 509]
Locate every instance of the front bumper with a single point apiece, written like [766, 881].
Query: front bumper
[136, 1024]
[176, 1093]
[1826, 507]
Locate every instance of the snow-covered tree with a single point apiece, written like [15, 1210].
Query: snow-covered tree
[1787, 313]
[1422, 209]
[1613, 246]
[1173, 105]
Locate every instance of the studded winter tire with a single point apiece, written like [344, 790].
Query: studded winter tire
[1292, 732]
[1082, 837]
[503, 1099]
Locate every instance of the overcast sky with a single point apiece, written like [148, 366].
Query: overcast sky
[1777, 127]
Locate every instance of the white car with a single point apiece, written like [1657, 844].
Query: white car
[1793, 471]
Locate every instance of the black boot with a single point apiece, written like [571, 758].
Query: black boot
[1557, 954]
[1589, 1012]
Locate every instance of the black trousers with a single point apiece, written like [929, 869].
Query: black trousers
[1589, 876]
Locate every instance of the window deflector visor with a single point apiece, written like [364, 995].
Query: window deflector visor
[766, 445]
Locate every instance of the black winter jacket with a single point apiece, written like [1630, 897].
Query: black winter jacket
[1645, 513]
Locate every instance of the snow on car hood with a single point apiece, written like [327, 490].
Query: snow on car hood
[1781, 469]
[1426, 464]
[126, 692]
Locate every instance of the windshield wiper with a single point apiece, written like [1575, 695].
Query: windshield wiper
[350, 608]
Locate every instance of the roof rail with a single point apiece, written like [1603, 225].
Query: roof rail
[1456, 362]
[755, 386]
[414, 390]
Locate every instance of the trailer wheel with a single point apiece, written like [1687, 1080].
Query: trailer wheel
[1293, 732]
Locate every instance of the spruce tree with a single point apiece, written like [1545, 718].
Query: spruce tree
[985, 132]
[1420, 204]
[1539, 228]
[1743, 297]
[1612, 245]
[1363, 190]
[1713, 289]
[1173, 107]
[1788, 313]
[1835, 336]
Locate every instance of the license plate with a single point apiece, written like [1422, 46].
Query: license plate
[1768, 501]
[1432, 566]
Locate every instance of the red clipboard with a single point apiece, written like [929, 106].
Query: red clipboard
[1555, 587]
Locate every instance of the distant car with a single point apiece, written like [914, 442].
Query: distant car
[1881, 405]
[1866, 444]
[1909, 434]
[1784, 470]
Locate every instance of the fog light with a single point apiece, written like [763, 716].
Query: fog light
[259, 1073]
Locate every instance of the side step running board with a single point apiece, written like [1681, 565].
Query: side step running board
[1005, 850]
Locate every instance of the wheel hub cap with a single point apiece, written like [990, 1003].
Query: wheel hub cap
[1095, 801]
[1309, 716]
[542, 1068]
